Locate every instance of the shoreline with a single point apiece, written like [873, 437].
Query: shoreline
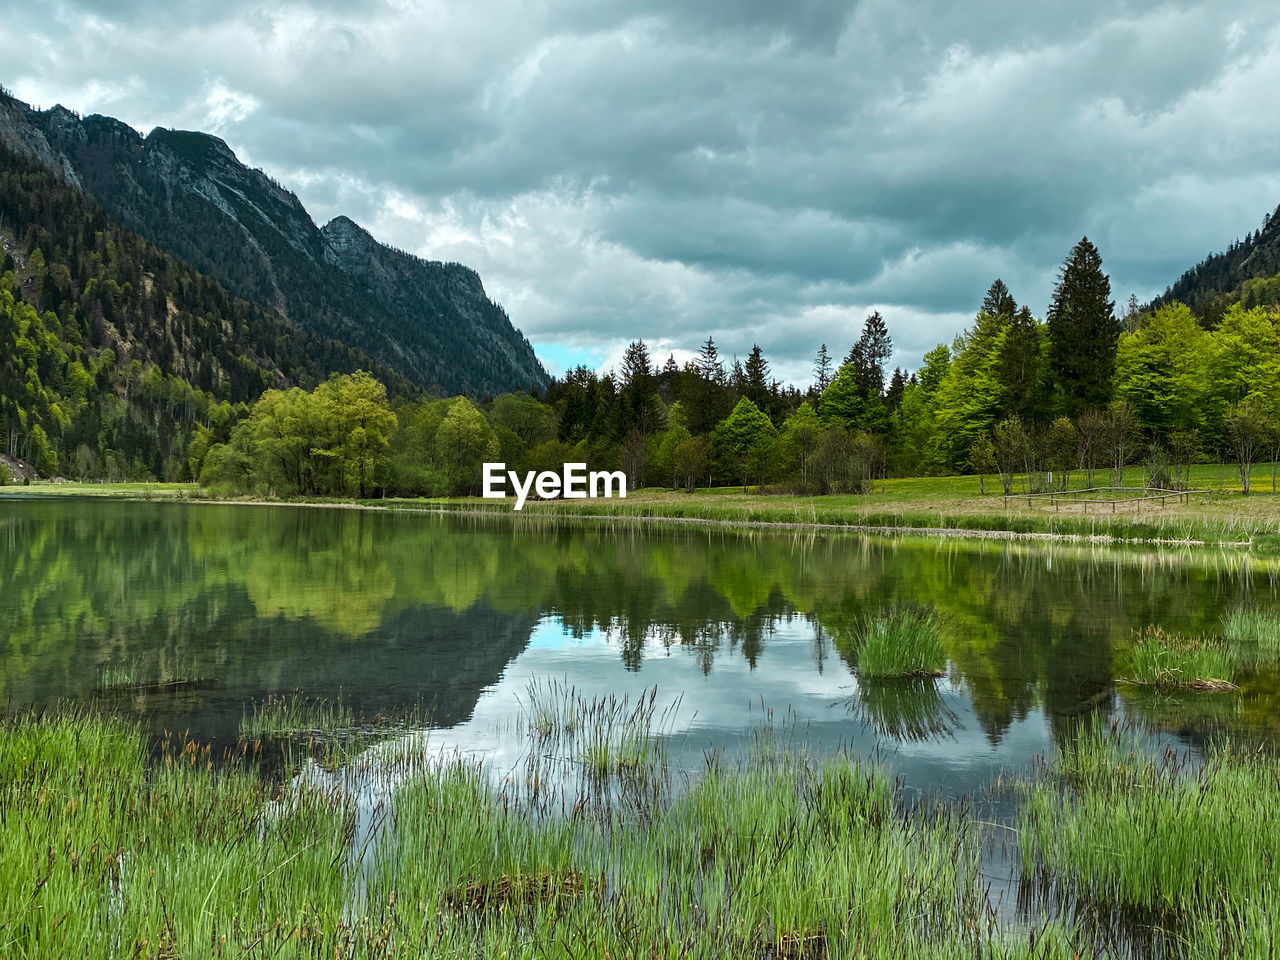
[541, 511]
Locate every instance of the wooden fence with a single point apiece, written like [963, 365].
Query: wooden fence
[1148, 495]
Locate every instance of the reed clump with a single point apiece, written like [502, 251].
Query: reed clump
[1168, 660]
[108, 855]
[1188, 847]
[294, 716]
[1254, 635]
[901, 642]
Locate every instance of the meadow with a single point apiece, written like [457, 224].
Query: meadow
[1214, 513]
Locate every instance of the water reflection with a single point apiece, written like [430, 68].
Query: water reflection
[392, 609]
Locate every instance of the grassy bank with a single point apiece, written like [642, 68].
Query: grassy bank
[952, 505]
[108, 855]
[114, 850]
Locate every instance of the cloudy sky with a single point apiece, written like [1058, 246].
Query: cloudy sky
[758, 171]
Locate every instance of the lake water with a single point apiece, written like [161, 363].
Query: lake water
[459, 615]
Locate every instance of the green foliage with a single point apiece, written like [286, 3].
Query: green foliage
[1164, 660]
[900, 643]
[743, 443]
[6, 475]
[1083, 331]
[463, 443]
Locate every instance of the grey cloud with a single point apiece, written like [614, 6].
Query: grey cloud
[761, 171]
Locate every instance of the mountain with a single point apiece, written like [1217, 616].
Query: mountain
[189, 194]
[116, 359]
[1247, 272]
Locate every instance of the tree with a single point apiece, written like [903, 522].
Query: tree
[936, 363]
[637, 367]
[363, 425]
[710, 366]
[822, 370]
[1184, 447]
[1121, 437]
[1010, 442]
[463, 443]
[742, 442]
[801, 434]
[1092, 427]
[844, 402]
[756, 380]
[1247, 426]
[982, 455]
[999, 301]
[1018, 366]
[1083, 332]
[690, 461]
[1161, 370]
[869, 354]
[1061, 443]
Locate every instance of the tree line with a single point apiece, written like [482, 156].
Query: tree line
[1081, 392]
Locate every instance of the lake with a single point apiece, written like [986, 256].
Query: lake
[455, 617]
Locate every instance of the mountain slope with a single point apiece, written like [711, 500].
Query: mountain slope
[113, 354]
[188, 193]
[1248, 271]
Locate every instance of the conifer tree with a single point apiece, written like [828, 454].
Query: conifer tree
[999, 301]
[1083, 332]
[756, 381]
[822, 370]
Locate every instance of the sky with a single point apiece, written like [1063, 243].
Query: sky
[755, 171]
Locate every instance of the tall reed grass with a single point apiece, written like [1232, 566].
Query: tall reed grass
[1166, 660]
[1191, 848]
[1254, 634]
[901, 642]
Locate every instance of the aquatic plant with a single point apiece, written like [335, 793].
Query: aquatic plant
[135, 677]
[1254, 634]
[116, 857]
[1168, 660]
[1190, 846]
[901, 641]
[281, 716]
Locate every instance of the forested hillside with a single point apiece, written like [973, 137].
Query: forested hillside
[1247, 272]
[118, 361]
[189, 194]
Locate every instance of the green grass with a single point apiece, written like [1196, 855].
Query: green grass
[776, 859]
[1166, 661]
[1254, 634]
[106, 856]
[108, 853]
[295, 716]
[138, 677]
[1191, 849]
[606, 736]
[901, 642]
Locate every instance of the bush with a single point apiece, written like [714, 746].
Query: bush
[6, 475]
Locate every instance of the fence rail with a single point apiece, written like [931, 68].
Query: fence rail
[1150, 494]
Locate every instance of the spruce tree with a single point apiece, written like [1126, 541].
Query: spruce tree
[999, 301]
[1083, 332]
[756, 384]
[822, 370]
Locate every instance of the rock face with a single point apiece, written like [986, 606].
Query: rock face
[189, 194]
